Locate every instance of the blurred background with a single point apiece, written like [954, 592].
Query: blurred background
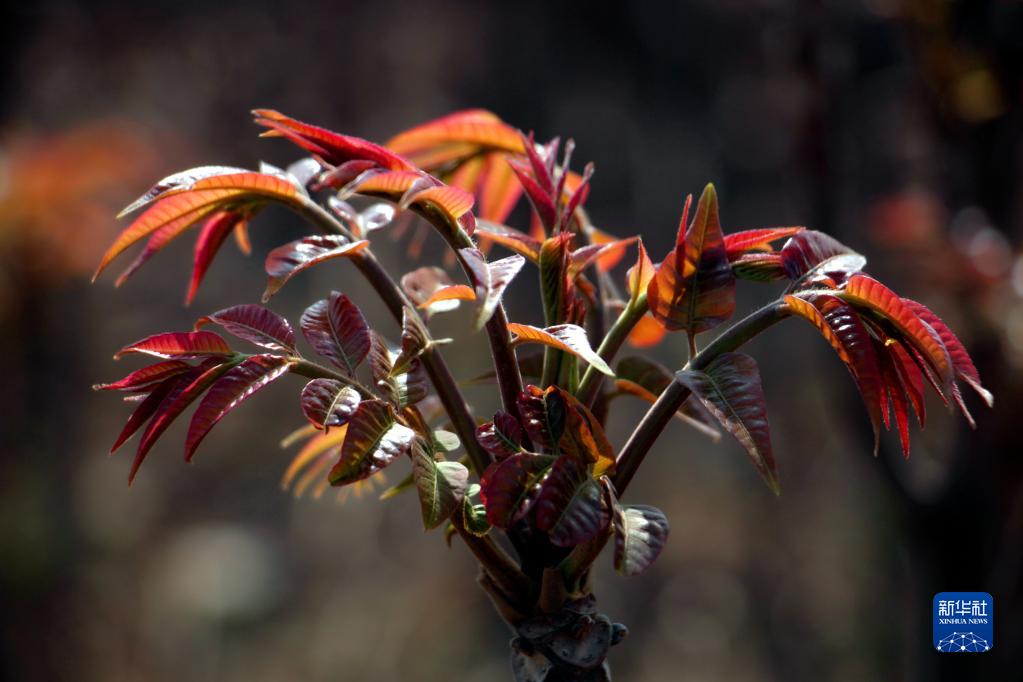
[895, 126]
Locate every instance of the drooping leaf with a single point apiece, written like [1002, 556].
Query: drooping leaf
[441, 485]
[509, 487]
[964, 367]
[288, 260]
[910, 375]
[490, 280]
[179, 345]
[332, 147]
[329, 402]
[544, 415]
[868, 293]
[182, 394]
[450, 294]
[729, 387]
[694, 288]
[742, 242]
[374, 439]
[230, 390]
[842, 329]
[211, 237]
[897, 394]
[647, 380]
[147, 377]
[501, 437]
[570, 506]
[569, 338]
[336, 329]
[255, 324]
[432, 290]
[640, 534]
[535, 190]
[148, 407]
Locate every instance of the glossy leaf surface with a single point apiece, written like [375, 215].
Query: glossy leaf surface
[729, 387]
[336, 329]
[509, 487]
[570, 506]
[180, 345]
[255, 324]
[570, 338]
[286, 261]
[374, 440]
[329, 402]
[441, 485]
[501, 437]
[640, 534]
[490, 280]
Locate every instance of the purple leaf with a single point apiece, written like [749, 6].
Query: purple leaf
[336, 329]
[255, 324]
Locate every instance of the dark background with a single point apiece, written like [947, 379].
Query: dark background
[895, 126]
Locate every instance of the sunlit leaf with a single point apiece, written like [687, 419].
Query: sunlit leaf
[841, 327]
[255, 324]
[336, 329]
[565, 337]
[544, 414]
[182, 394]
[738, 243]
[415, 340]
[432, 290]
[180, 181]
[729, 387]
[810, 250]
[510, 238]
[211, 237]
[147, 377]
[374, 440]
[288, 260]
[639, 275]
[694, 288]
[477, 128]
[449, 294]
[474, 515]
[509, 487]
[646, 380]
[866, 292]
[640, 534]
[964, 367]
[604, 251]
[910, 375]
[555, 282]
[646, 333]
[570, 506]
[490, 279]
[441, 485]
[539, 196]
[759, 267]
[329, 402]
[584, 437]
[313, 461]
[899, 403]
[501, 437]
[179, 345]
[230, 390]
[332, 147]
[147, 408]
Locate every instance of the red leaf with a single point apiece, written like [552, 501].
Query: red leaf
[179, 345]
[759, 267]
[147, 377]
[538, 196]
[544, 414]
[181, 395]
[255, 324]
[843, 330]
[896, 391]
[509, 487]
[570, 507]
[694, 288]
[329, 402]
[288, 260]
[647, 332]
[739, 243]
[475, 128]
[612, 251]
[869, 293]
[501, 437]
[374, 440]
[639, 275]
[336, 329]
[230, 390]
[498, 190]
[178, 182]
[147, 408]
[964, 367]
[729, 387]
[212, 235]
[332, 147]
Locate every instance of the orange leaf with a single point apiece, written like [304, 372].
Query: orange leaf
[565, 337]
[647, 332]
[455, 292]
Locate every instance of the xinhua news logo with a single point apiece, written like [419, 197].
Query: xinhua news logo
[964, 622]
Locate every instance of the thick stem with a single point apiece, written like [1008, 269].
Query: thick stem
[671, 399]
[609, 347]
[515, 587]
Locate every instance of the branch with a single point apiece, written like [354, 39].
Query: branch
[671, 399]
[396, 301]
